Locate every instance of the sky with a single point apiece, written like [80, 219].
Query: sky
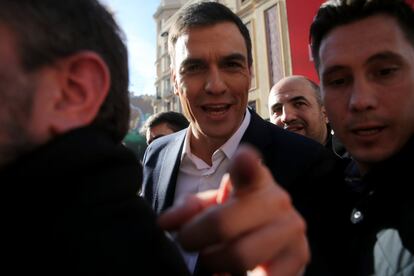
[135, 18]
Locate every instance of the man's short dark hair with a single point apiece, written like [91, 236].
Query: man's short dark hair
[336, 13]
[206, 14]
[174, 120]
[47, 30]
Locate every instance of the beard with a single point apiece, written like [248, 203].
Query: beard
[14, 142]
[16, 104]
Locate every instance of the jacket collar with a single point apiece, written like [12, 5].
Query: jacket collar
[168, 172]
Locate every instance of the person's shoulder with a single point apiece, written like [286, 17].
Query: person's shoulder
[167, 139]
[161, 144]
[122, 238]
[293, 141]
[272, 140]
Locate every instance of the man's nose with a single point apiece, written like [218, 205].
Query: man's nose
[363, 95]
[215, 83]
[288, 114]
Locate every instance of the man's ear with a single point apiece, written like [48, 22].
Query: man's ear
[323, 110]
[251, 76]
[173, 80]
[84, 82]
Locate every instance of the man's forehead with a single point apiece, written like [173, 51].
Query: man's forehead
[292, 89]
[292, 96]
[181, 45]
[360, 39]
[198, 39]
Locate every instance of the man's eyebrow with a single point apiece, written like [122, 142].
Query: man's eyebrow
[276, 105]
[294, 99]
[333, 69]
[298, 98]
[231, 57]
[234, 57]
[383, 56]
[190, 61]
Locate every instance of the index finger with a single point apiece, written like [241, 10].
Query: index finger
[255, 191]
[247, 171]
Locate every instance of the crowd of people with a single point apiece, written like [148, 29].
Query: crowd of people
[225, 192]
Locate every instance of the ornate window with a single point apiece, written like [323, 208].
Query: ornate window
[273, 44]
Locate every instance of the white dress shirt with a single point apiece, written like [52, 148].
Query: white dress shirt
[195, 175]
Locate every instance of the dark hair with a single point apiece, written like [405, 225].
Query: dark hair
[47, 30]
[335, 13]
[206, 14]
[175, 120]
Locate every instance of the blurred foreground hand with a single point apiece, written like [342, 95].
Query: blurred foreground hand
[248, 224]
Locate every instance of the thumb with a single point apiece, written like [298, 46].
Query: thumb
[185, 209]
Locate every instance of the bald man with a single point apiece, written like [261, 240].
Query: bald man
[295, 103]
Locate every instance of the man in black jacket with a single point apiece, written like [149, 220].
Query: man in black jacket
[69, 186]
[364, 54]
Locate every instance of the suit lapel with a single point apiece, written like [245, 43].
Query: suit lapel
[168, 173]
[256, 133]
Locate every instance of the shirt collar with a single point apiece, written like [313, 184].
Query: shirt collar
[229, 147]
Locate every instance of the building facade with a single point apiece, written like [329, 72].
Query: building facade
[269, 22]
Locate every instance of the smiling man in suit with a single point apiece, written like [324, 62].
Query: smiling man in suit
[211, 56]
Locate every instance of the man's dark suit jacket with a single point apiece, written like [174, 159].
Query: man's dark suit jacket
[303, 167]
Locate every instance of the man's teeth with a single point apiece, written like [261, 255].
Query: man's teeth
[368, 131]
[216, 108]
